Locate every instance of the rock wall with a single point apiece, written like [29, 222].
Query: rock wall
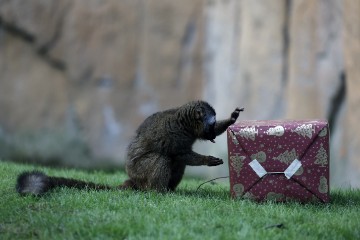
[349, 149]
[89, 72]
[77, 77]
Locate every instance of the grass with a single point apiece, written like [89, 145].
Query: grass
[186, 214]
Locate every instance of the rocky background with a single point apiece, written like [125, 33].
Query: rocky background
[78, 77]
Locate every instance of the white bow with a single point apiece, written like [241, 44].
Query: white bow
[289, 172]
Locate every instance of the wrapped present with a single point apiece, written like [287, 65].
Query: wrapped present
[279, 160]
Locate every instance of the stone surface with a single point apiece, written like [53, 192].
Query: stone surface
[242, 69]
[87, 72]
[315, 58]
[352, 62]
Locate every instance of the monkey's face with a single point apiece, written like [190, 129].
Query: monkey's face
[205, 123]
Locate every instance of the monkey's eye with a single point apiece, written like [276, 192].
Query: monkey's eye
[199, 114]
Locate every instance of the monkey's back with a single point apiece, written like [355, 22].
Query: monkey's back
[160, 133]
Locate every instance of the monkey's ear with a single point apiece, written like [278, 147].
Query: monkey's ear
[199, 114]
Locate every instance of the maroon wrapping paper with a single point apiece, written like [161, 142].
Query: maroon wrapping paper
[275, 145]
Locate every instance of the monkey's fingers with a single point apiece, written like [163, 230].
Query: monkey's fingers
[213, 161]
[235, 114]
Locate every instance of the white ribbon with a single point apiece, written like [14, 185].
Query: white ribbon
[289, 172]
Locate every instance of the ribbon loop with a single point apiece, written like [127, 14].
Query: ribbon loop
[289, 171]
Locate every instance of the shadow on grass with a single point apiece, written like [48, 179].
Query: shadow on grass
[204, 193]
[339, 198]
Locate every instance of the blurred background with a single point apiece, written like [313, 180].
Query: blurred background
[78, 77]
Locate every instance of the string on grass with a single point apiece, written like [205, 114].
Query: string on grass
[210, 181]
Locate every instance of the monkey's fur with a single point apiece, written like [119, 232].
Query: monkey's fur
[158, 154]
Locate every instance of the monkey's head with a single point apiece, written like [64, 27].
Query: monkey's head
[205, 120]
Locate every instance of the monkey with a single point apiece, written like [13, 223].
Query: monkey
[156, 156]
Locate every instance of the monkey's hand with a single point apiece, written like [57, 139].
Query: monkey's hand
[235, 114]
[213, 161]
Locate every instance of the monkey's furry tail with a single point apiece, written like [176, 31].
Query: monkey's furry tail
[37, 183]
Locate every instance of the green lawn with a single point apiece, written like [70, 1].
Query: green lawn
[186, 214]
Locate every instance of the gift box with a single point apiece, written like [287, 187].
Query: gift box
[279, 160]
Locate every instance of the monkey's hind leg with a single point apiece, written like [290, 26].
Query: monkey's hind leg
[161, 173]
[128, 184]
[150, 172]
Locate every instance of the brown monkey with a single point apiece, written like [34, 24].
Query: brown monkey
[157, 155]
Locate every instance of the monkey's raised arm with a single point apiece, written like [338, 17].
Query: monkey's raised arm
[222, 125]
